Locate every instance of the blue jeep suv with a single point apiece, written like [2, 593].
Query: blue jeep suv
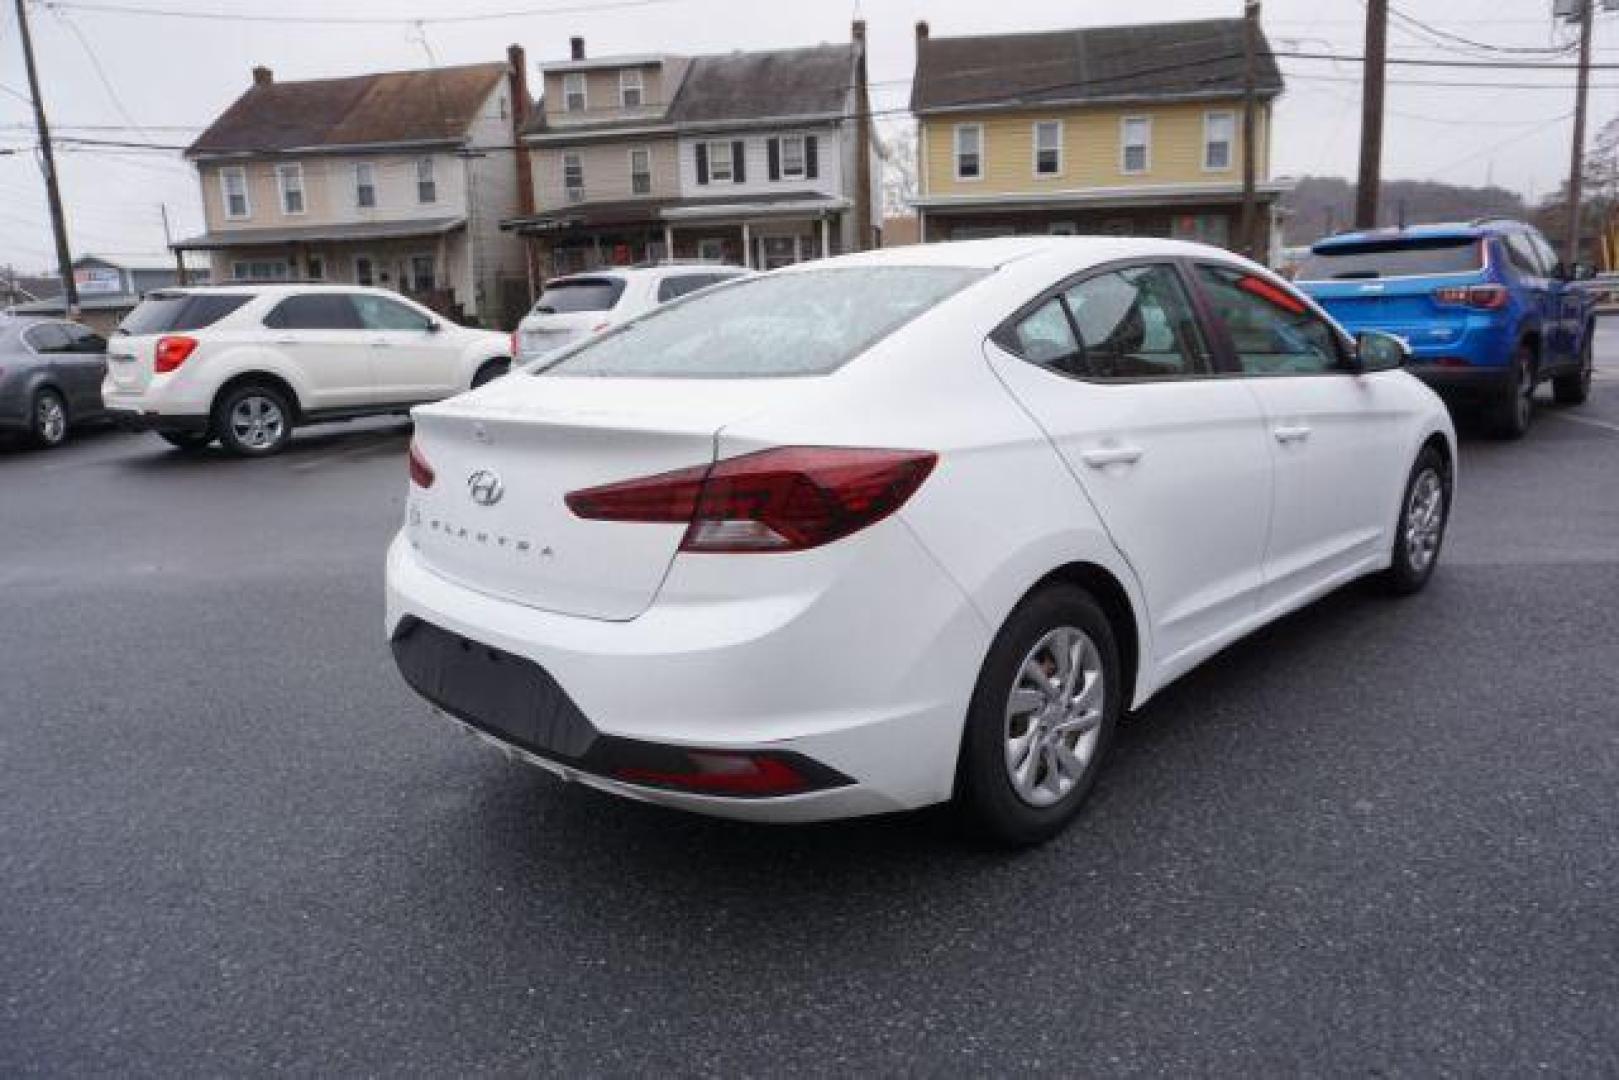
[1487, 308]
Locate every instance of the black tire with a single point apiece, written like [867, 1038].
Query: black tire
[491, 371]
[1575, 387]
[48, 419]
[238, 434]
[1509, 416]
[187, 440]
[1416, 549]
[986, 792]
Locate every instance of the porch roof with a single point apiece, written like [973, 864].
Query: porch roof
[670, 210]
[315, 234]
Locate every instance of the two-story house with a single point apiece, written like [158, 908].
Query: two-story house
[399, 179]
[759, 158]
[1120, 130]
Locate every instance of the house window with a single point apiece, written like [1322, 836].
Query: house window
[260, 270]
[573, 91]
[720, 166]
[1136, 144]
[573, 177]
[233, 182]
[1219, 132]
[630, 89]
[426, 186]
[1047, 147]
[421, 273]
[792, 157]
[969, 151]
[365, 271]
[365, 184]
[290, 179]
[315, 268]
[641, 171]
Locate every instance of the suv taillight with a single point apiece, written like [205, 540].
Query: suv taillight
[421, 473]
[787, 499]
[1484, 297]
[172, 351]
[516, 345]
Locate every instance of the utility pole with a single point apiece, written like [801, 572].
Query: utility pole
[1576, 168]
[1250, 109]
[64, 258]
[168, 242]
[1371, 115]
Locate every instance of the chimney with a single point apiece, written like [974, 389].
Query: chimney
[263, 76]
[858, 31]
[517, 79]
[921, 29]
[576, 48]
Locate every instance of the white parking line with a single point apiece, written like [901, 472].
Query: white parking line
[1603, 424]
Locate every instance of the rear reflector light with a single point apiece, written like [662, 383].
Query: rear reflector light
[723, 772]
[172, 352]
[1484, 297]
[516, 343]
[788, 499]
[421, 473]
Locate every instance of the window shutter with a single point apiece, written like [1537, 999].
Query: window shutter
[739, 170]
[774, 146]
[810, 162]
[702, 163]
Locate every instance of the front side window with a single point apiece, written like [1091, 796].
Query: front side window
[573, 177]
[1136, 149]
[233, 185]
[630, 89]
[573, 92]
[426, 185]
[641, 171]
[381, 313]
[313, 311]
[720, 163]
[1273, 331]
[792, 157]
[1219, 131]
[1137, 323]
[365, 184]
[776, 325]
[969, 151]
[290, 179]
[1048, 147]
[84, 340]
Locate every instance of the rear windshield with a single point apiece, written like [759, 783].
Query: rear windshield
[805, 323]
[1393, 258]
[579, 294]
[168, 313]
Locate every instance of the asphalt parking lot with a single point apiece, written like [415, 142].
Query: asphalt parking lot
[1380, 837]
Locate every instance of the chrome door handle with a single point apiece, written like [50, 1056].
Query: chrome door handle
[1292, 434]
[1103, 456]
[285, 341]
[382, 344]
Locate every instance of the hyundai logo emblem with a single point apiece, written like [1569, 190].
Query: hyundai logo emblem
[485, 487]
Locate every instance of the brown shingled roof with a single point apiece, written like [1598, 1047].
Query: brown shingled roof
[391, 107]
[1146, 61]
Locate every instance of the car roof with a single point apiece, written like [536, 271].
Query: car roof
[630, 273]
[992, 253]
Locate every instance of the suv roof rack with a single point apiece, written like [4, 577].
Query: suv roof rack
[653, 264]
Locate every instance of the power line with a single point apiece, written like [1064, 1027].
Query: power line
[1413, 61]
[350, 20]
[1446, 35]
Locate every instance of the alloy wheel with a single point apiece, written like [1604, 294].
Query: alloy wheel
[1424, 520]
[257, 422]
[50, 416]
[1054, 716]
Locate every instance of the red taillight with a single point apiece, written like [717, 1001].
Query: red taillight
[1484, 297]
[172, 352]
[723, 772]
[516, 343]
[787, 499]
[421, 473]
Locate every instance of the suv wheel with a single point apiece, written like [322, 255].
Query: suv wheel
[49, 420]
[253, 420]
[1575, 387]
[1041, 718]
[1510, 417]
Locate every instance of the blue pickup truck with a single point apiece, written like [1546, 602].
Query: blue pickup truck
[1489, 311]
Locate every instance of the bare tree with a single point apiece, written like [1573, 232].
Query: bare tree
[900, 169]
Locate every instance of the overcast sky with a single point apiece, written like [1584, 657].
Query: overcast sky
[160, 79]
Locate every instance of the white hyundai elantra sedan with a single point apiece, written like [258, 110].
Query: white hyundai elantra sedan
[902, 527]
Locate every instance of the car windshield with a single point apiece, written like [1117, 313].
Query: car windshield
[169, 313]
[806, 323]
[1393, 258]
[568, 295]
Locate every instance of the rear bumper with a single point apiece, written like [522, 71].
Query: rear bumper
[869, 678]
[138, 420]
[1464, 384]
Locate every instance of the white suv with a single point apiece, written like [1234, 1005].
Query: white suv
[245, 364]
[572, 307]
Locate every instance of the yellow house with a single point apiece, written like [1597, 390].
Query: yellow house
[1122, 130]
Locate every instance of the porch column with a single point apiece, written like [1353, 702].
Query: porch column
[668, 241]
[747, 246]
[826, 236]
[921, 226]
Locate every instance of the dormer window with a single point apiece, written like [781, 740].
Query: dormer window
[631, 91]
[573, 92]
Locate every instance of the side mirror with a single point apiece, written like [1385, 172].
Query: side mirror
[1377, 351]
[434, 326]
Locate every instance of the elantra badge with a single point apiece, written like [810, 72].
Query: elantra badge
[485, 487]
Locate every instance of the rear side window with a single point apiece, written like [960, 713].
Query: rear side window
[82, 339]
[673, 288]
[48, 338]
[168, 313]
[806, 323]
[579, 294]
[313, 311]
[1411, 257]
